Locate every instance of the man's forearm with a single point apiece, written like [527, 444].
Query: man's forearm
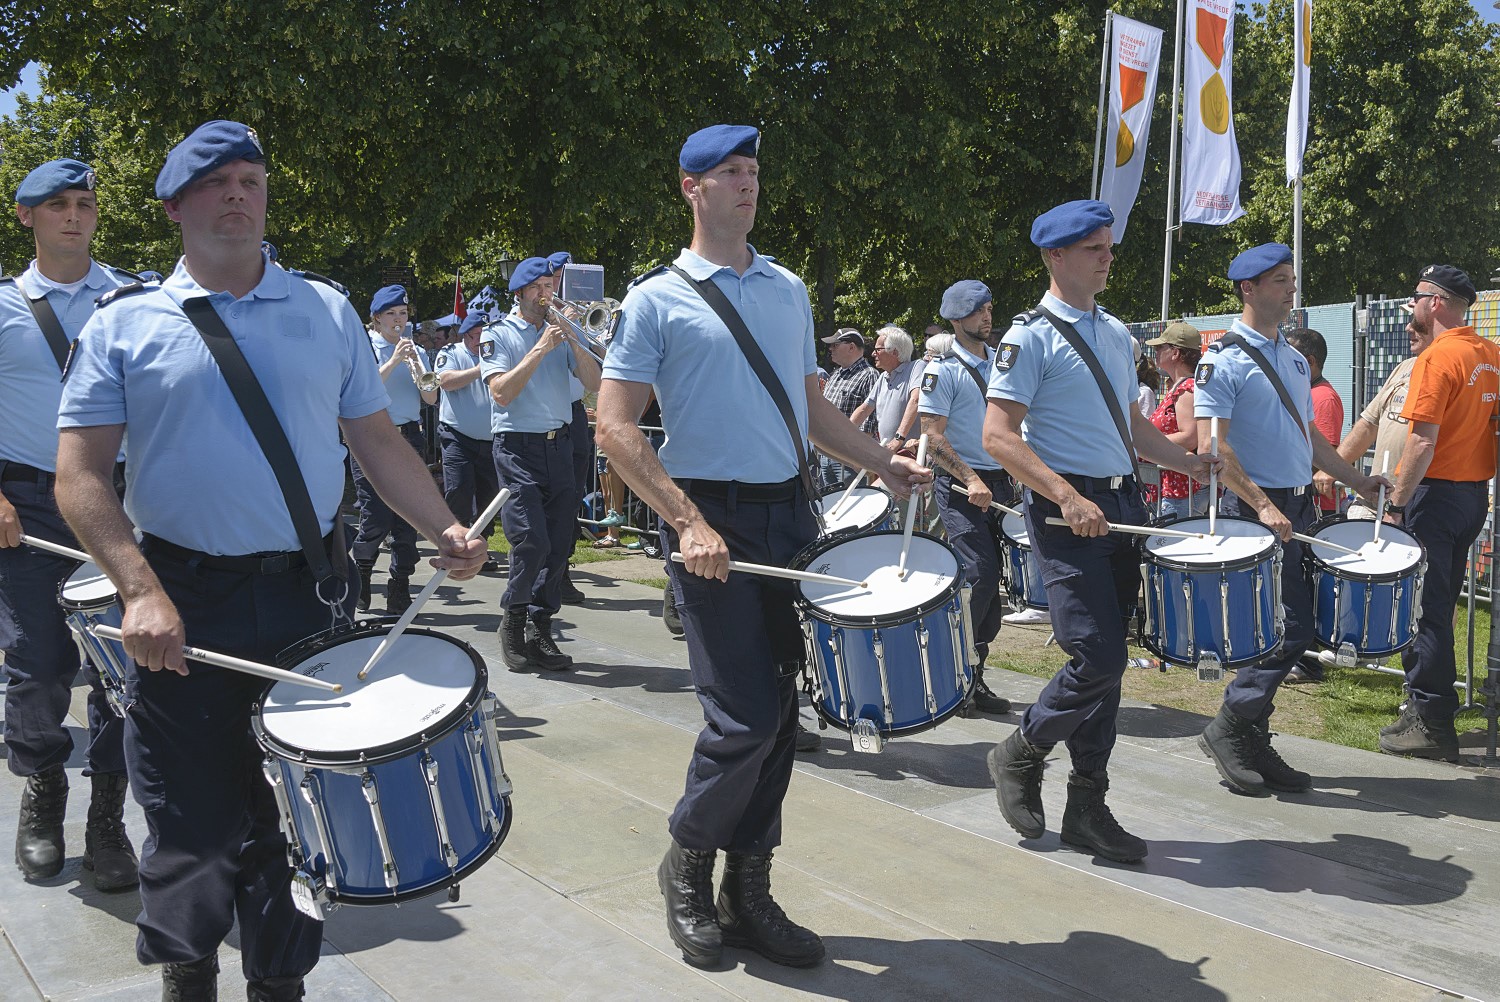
[402, 481]
[87, 500]
[454, 379]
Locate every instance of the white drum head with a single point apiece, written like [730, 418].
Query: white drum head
[931, 568]
[1396, 552]
[1014, 527]
[866, 506]
[417, 683]
[1233, 540]
[88, 586]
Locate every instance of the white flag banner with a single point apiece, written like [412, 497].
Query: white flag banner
[1210, 156]
[1296, 112]
[1134, 57]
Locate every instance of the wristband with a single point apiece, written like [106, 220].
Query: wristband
[1395, 509]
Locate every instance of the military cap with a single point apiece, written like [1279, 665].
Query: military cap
[1256, 261]
[1070, 222]
[52, 177]
[206, 149]
[707, 148]
[529, 271]
[385, 298]
[963, 298]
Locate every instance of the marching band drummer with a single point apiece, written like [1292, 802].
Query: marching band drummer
[952, 407]
[221, 562]
[528, 381]
[56, 201]
[395, 354]
[1051, 426]
[722, 497]
[464, 424]
[1269, 456]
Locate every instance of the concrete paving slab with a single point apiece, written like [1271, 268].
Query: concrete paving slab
[15, 982]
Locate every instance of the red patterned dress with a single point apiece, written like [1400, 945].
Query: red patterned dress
[1173, 484]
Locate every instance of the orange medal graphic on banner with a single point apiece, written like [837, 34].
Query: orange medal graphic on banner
[1132, 90]
[1213, 99]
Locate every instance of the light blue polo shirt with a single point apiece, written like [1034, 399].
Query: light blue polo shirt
[948, 391]
[890, 395]
[30, 381]
[720, 421]
[195, 474]
[545, 403]
[467, 408]
[406, 399]
[1228, 384]
[1067, 422]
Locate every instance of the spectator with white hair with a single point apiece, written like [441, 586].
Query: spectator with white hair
[893, 397]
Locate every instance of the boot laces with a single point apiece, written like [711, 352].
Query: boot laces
[544, 641]
[49, 796]
[755, 881]
[1103, 817]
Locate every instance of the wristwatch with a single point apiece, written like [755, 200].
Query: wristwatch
[1395, 509]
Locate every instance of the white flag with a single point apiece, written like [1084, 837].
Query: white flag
[1210, 156]
[1134, 56]
[1296, 112]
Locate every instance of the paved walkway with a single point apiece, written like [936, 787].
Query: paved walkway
[1383, 883]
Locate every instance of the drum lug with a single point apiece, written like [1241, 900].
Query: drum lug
[865, 736]
[1416, 598]
[1260, 634]
[966, 614]
[1280, 617]
[295, 854]
[1364, 640]
[1148, 609]
[314, 797]
[1346, 656]
[923, 639]
[811, 674]
[1210, 668]
[846, 698]
[483, 791]
[885, 680]
[490, 712]
[1223, 621]
[377, 818]
[1187, 603]
[435, 795]
[1400, 593]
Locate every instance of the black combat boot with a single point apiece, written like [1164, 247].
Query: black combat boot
[106, 848]
[197, 981]
[275, 990]
[570, 593]
[542, 649]
[1016, 768]
[365, 571]
[750, 918]
[1403, 721]
[513, 646]
[1088, 823]
[397, 594]
[39, 833]
[686, 879]
[984, 698]
[669, 615]
[1274, 771]
[1234, 744]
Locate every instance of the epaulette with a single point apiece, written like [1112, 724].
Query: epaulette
[120, 293]
[1216, 346]
[767, 257]
[7, 279]
[1022, 319]
[659, 269]
[313, 276]
[125, 272]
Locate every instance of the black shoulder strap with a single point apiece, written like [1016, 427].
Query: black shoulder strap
[1234, 339]
[52, 328]
[721, 305]
[268, 431]
[984, 388]
[1091, 360]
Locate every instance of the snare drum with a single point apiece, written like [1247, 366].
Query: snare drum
[1214, 601]
[1365, 605]
[88, 598]
[1023, 569]
[865, 510]
[893, 658]
[393, 788]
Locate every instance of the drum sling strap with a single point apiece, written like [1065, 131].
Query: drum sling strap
[1079, 345]
[273, 443]
[720, 304]
[1234, 339]
[52, 329]
[984, 390]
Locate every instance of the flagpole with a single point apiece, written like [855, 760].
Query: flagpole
[1166, 267]
[1297, 240]
[1098, 176]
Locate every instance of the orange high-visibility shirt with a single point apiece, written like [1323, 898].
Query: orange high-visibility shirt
[1455, 385]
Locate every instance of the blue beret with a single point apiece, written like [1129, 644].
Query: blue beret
[1258, 260]
[707, 148]
[529, 271]
[473, 320]
[270, 249]
[52, 177]
[209, 147]
[1070, 222]
[963, 298]
[559, 259]
[385, 298]
[152, 276]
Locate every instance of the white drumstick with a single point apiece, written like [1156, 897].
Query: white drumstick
[1315, 541]
[389, 640]
[57, 548]
[1139, 530]
[1213, 478]
[771, 571]
[1385, 464]
[838, 505]
[993, 504]
[234, 664]
[911, 512]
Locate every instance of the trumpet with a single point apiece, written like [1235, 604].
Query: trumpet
[596, 328]
[425, 378]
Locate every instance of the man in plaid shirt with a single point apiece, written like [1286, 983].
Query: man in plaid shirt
[848, 386]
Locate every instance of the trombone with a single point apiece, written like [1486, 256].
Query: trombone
[596, 328]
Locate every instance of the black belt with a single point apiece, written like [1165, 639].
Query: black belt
[1434, 481]
[786, 490]
[1096, 485]
[410, 425]
[1295, 492]
[253, 563]
[544, 435]
[20, 472]
[467, 438]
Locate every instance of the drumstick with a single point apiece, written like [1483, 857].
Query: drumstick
[772, 571]
[225, 661]
[1315, 541]
[1213, 478]
[993, 504]
[1139, 530]
[838, 505]
[911, 512]
[389, 639]
[1385, 464]
[57, 548]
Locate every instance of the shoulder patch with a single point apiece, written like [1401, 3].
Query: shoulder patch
[1203, 373]
[1216, 346]
[313, 276]
[1007, 356]
[120, 293]
[658, 270]
[1022, 319]
[486, 350]
[1301, 365]
[929, 381]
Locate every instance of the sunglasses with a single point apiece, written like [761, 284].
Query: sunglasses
[1417, 297]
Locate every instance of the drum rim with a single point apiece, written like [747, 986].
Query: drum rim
[72, 605]
[378, 754]
[804, 604]
[857, 530]
[1314, 561]
[1012, 540]
[1242, 563]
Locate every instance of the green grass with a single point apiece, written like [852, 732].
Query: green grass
[583, 550]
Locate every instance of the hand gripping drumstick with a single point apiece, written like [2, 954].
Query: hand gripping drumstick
[772, 571]
[1140, 530]
[911, 513]
[1213, 478]
[225, 661]
[1385, 464]
[389, 640]
[57, 548]
[993, 504]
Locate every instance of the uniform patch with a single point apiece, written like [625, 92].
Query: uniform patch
[486, 350]
[929, 382]
[1301, 365]
[1007, 357]
[1204, 374]
[297, 326]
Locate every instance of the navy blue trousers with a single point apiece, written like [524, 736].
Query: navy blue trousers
[745, 650]
[975, 534]
[377, 520]
[1091, 593]
[1251, 693]
[41, 657]
[583, 449]
[1447, 517]
[215, 849]
[469, 478]
[540, 519]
